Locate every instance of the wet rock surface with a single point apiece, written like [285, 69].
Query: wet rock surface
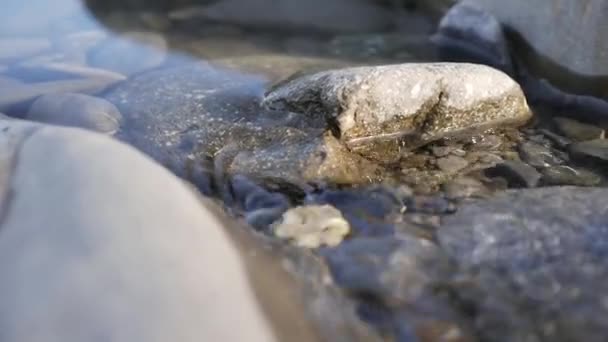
[405, 106]
[534, 263]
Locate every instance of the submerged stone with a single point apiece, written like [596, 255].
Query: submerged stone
[532, 263]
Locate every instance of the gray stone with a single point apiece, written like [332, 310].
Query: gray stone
[566, 175]
[321, 15]
[578, 131]
[538, 155]
[517, 173]
[573, 53]
[593, 149]
[92, 256]
[532, 263]
[452, 164]
[382, 111]
[464, 187]
[467, 33]
[20, 93]
[130, 53]
[76, 110]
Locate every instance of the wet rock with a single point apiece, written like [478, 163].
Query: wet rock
[464, 187]
[312, 226]
[578, 131]
[132, 53]
[532, 263]
[21, 93]
[324, 16]
[594, 149]
[381, 111]
[452, 164]
[408, 47]
[538, 155]
[35, 71]
[261, 207]
[443, 151]
[517, 173]
[557, 139]
[108, 193]
[184, 115]
[566, 175]
[12, 49]
[76, 110]
[468, 34]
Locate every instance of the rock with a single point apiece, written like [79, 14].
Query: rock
[380, 111]
[452, 164]
[35, 71]
[570, 59]
[468, 34]
[464, 187]
[566, 175]
[185, 115]
[132, 53]
[517, 173]
[261, 207]
[15, 96]
[325, 16]
[578, 131]
[538, 155]
[531, 263]
[12, 49]
[312, 226]
[76, 110]
[594, 149]
[101, 273]
[394, 281]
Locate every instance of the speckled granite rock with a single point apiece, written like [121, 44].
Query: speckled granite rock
[380, 111]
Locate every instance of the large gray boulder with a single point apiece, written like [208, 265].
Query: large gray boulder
[97, 242]
[563, 41]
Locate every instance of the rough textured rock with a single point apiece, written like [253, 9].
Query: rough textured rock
[76, 110]
[380, 111]
[91, 257]
[532, 263]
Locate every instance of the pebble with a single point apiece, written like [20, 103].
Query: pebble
[364, 103]
[12, 49]
[593, 149]
[452, 164]
[578, 131]
[129, 54]
[261, 207]
[538, 155]
[465, 187]
[313, 226]
[566, 175]
[34, 71]
[76, 110]
[18, 95]
[517, 173]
